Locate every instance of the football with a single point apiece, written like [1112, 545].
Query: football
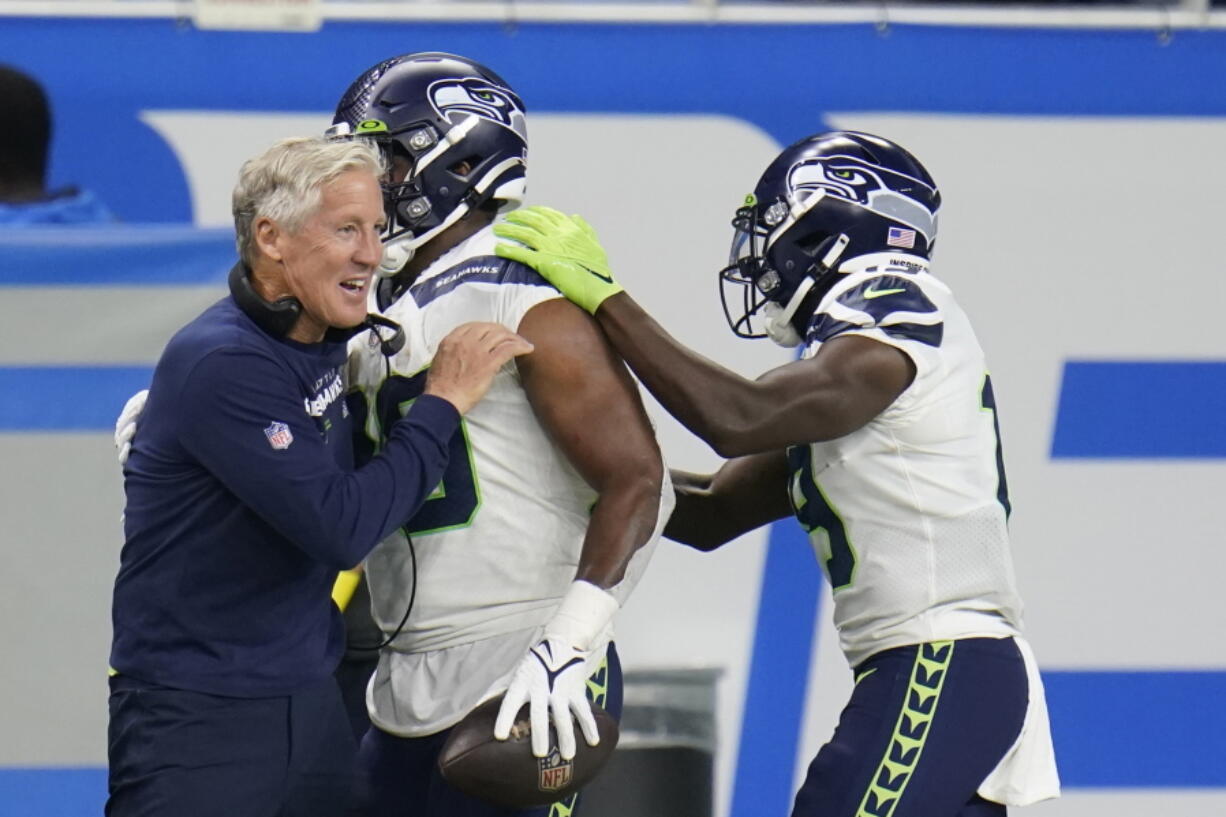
[506, 773]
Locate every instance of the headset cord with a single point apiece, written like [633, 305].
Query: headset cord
[408, 609]
[387, 373]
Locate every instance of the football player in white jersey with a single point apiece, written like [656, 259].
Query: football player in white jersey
[555, 493]
[882, 439]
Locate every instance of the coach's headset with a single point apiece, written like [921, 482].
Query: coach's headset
[278, 317]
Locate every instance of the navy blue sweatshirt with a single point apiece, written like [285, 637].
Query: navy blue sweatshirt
[242, 504]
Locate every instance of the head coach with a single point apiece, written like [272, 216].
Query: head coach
[242, 504]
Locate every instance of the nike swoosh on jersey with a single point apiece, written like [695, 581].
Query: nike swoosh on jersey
[869, 294]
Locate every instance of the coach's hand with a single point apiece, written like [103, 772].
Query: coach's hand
[552, 680]
[125, 426]
[467, 360]
[564, 249]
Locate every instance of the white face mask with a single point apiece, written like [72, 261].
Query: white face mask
[778, 325]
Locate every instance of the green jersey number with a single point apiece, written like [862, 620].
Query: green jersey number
[456, 499]
[815, 514]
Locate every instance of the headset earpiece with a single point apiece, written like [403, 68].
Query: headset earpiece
[276, 318]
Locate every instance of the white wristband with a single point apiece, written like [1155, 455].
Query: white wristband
[584, 613]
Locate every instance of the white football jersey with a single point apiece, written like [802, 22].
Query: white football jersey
[907, 515]
[498, 543]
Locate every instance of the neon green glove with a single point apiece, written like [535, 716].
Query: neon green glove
[564, 249]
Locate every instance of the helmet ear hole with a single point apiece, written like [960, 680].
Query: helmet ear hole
[465, 166]
[801, 257]
[815, 243]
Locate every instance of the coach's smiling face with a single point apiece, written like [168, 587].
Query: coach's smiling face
[327, 262]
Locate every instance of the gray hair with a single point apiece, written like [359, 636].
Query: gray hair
[284, 182]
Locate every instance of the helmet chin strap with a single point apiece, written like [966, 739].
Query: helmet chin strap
[778, 322]
[831, 259]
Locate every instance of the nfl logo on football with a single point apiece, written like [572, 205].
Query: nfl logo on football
[279, 436]
[555, 773]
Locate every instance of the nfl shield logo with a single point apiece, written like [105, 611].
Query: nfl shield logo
[279, 436]
[555, 773]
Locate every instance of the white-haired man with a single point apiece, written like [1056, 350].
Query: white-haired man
[242, 504]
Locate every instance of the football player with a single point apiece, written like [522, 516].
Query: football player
[882, 440]
[508, 578]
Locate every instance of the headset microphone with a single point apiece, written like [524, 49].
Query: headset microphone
[388, 345]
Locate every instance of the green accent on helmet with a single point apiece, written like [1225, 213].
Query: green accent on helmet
[751, 200]
[372, 126]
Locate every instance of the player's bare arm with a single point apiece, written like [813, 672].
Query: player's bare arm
[576, 386]
[846, 384]
[744, 494]
[586, 400]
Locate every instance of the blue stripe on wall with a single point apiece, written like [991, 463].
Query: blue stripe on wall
[778, 675]
[624, 68]
[115, 255]
[1116, 729]
[67, 398]
[52, 792]
[1141, 409]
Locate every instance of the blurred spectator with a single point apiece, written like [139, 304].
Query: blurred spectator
[24, 140]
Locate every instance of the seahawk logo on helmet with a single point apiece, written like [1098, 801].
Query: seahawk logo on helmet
[479, 97]
[823, 201]
[878, 189]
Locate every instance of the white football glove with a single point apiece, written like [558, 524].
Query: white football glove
[125, 426]
[552, 680]
[552, 677]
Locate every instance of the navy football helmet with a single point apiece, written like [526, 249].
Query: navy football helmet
[824, 200]
[458, 127]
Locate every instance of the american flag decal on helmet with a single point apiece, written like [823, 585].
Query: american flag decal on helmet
[898, 237]
[279, 436]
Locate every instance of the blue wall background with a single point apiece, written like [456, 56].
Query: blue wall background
[100, 73]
